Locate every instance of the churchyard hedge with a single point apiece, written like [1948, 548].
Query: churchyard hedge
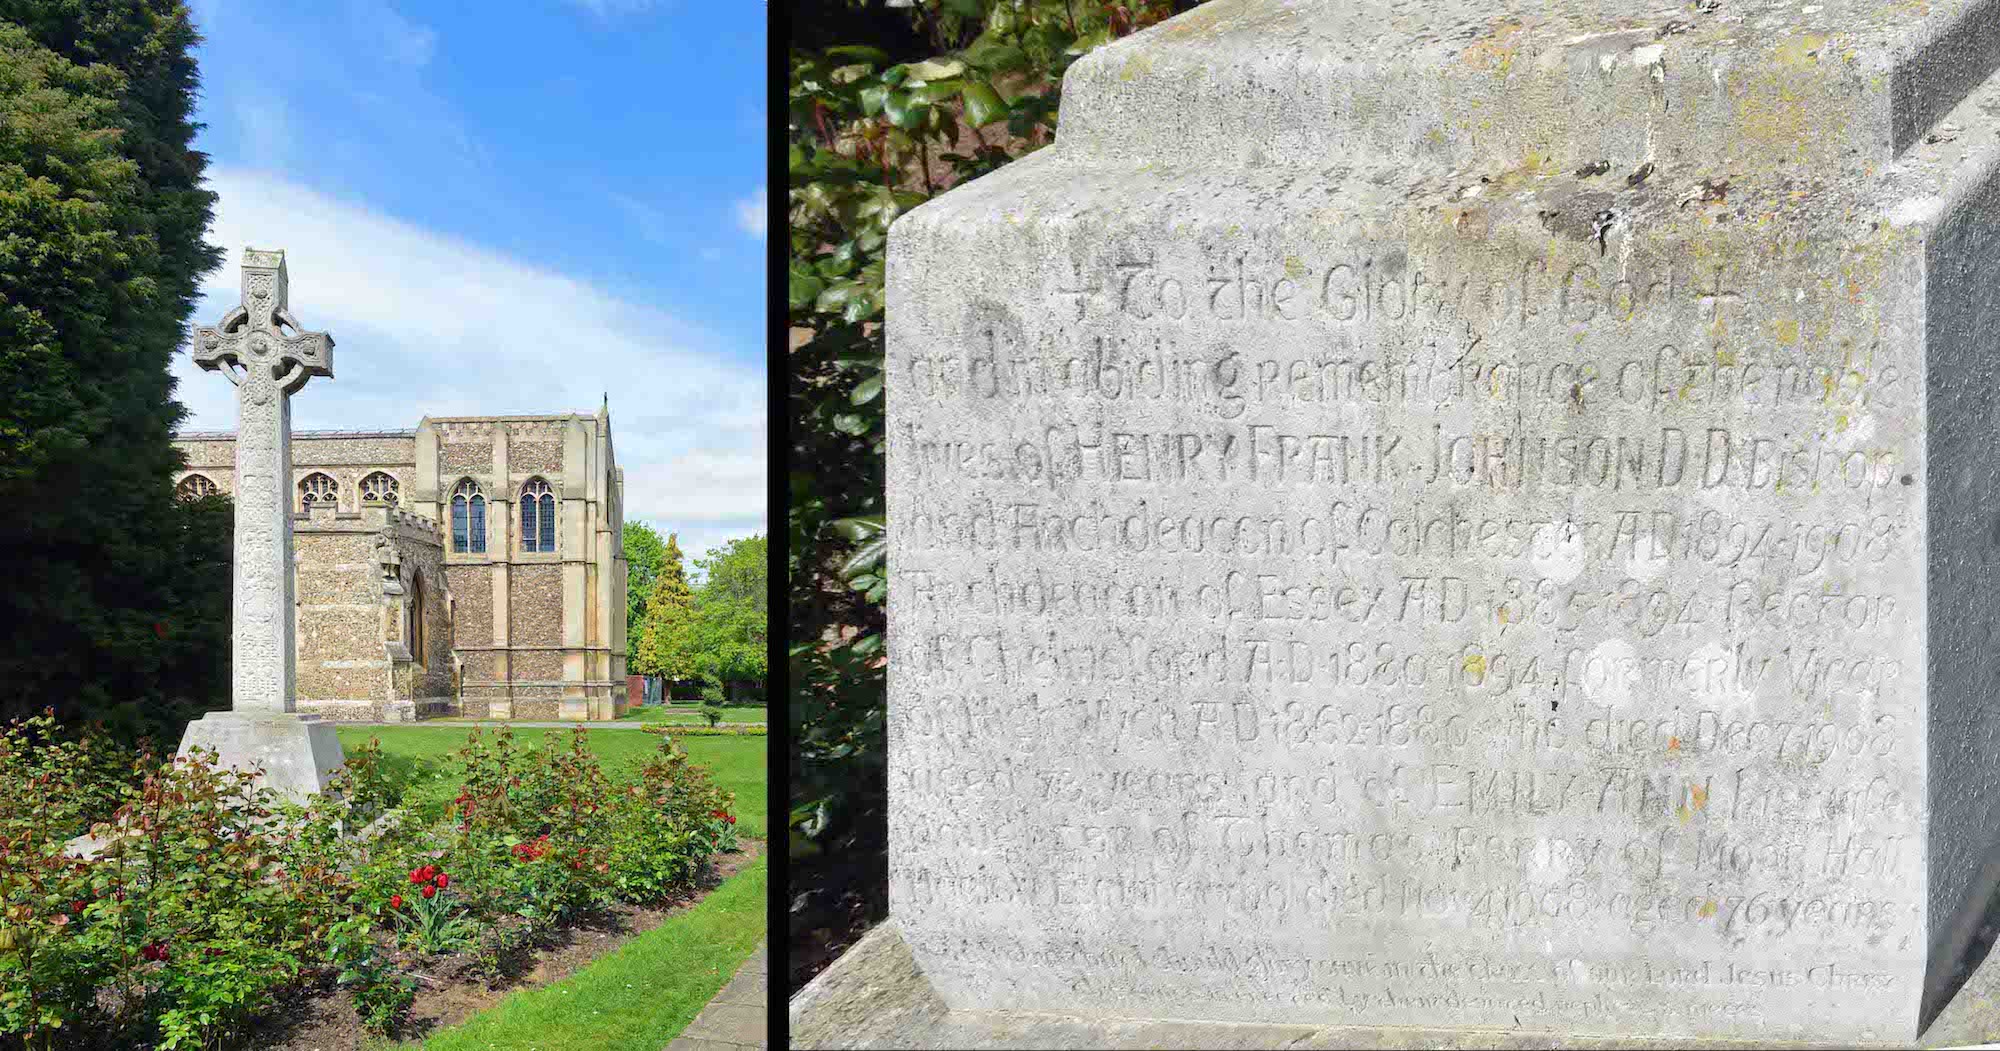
[742, 730]
[210, 900]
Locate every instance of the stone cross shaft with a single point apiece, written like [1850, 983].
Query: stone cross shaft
[269, 356]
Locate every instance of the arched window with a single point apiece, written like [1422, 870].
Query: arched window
[381, 488]
[194, 487]
[538, 516]
[318, 490]
[468, 518]
[416, 632]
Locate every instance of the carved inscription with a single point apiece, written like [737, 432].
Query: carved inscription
[1258, 615]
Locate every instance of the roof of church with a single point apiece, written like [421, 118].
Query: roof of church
[214, 436]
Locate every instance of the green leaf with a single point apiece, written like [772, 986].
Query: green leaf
[872, 99]
[999, 58]
[933, 69]
[941, 91]
[983, 105]
[859, 53]
[866, 558]
[904, 110]
[867, 390]
[834, 299]
[858, 528]
[804, 287]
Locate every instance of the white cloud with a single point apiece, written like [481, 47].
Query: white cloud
[651, 222]
[752, 213]
[609, 8]
[426, 324]
[402, 40]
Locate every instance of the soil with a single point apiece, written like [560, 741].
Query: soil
[449, 989]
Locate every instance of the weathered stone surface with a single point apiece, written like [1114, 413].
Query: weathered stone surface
[262, 348]
[298, 754]
[1426, 518]
[875, 996]
[266, 353]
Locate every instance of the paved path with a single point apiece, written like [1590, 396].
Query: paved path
[735, 1019]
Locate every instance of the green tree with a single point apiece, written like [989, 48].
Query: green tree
[644, 553]
[118, 595]
[732, 611]
[666, 645]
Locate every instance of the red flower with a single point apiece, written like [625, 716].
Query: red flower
[732, 819]
[77, 906]
[160, 628]
[429, 892]
[395, 901]
[443, 880]
[155, 951]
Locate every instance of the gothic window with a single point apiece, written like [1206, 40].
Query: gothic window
[538, 516]
[194, 487]
[468, 518]
[317, 490]
[381, 488]
[416, 639]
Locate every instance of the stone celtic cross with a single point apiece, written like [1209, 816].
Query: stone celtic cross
[263, 349]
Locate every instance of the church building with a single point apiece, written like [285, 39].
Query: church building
[470, 566]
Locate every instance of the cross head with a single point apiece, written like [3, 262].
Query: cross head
[259, 342]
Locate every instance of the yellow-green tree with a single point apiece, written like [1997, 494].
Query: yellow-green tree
[666, 646]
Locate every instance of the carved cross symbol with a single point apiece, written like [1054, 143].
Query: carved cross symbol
[260, 343]
[1082, 294]
[1712, 301]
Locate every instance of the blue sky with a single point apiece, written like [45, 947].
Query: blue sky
[505, 209]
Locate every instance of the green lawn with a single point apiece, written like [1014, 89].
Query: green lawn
[691, 714]
[634, 999]
[422, 753]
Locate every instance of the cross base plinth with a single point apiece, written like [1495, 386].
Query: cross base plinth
[299, 754]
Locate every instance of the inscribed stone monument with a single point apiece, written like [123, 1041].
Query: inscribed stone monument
[261, 348]
[1460, 515]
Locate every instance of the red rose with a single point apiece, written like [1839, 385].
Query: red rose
[429, 892]
[443, 880]
[732, 819]
[395, 901]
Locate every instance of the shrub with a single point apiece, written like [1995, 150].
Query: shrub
[741, 730]
[671, 822]
[209, 899]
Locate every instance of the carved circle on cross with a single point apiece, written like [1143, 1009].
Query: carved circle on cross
[260, 346]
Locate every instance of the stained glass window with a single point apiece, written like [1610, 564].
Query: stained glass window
[538, 517]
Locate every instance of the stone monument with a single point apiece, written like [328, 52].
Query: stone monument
[1481, 516]
[261, 348]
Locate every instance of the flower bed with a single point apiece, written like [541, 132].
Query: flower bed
[209, 902]
[742, 730]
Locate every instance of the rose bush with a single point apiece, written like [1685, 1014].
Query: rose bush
[206, 899]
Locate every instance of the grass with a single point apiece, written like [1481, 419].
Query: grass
[424, 754]
[691, 714]
[638, 997]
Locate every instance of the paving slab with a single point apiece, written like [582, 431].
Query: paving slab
[738, 1018]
